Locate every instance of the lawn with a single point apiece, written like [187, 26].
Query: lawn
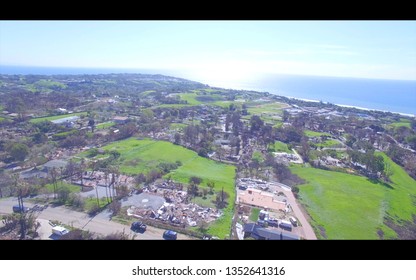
[72, 188]
[344, 206]
[56, 117]
[209, 99]
[254, 215]
[49, 84]
[143, 155]
[105, 125]
[177, 126]
[311, 133]
[190, 98]
[329, 143]
[280, 147]
[267, 108]
[399, 124]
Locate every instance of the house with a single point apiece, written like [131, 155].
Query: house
[259, 233]
[68, 121]
[55, 163]
[62, 110]
[258, 198]
[34, 173]
[120, 120]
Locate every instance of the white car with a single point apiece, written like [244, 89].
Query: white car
[59, 230]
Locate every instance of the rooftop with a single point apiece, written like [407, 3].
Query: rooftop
[261, 199]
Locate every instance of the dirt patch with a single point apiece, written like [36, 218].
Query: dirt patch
[405, 230]
[322, 232]
[380, 233]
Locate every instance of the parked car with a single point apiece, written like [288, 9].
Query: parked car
[293, 221]
[20, 209]
[285, 225]
[273, 223]
[170, 235]
[59, 230]
[138, 227]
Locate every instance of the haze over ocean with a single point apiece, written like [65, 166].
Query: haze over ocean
[387, 95]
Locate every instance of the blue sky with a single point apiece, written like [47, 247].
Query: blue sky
[214, 49]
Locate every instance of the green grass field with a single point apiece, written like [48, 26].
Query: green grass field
[56, 117]
[329, 143]
[399, 124]
[190, 98]
[280, 147]
[49, 84]
[254, 214]
[143, 155]
[105, 125]
[352, 207]
[72, 188]
[311, 133]
[177, 126]
[267, 108]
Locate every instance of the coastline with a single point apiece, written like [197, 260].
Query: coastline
[351, 106]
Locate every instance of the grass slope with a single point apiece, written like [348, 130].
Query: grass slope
[280, 147]
[142, 155]
[352, 207]
[311, 133]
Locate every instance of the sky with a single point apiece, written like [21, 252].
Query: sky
[218, 49]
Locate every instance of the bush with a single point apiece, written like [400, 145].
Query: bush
[94, 210]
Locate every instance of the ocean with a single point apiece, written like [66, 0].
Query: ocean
[397, 96]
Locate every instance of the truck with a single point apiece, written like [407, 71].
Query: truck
[285, 225]
[20, 209]
[59, 230]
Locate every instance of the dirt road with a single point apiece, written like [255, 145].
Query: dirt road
[306, 228]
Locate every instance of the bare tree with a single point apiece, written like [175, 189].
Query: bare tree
[54, 178]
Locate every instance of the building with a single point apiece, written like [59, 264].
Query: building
[258, 198]
[120, 120]
[259, 233]
[66, 120]
[34, 173]
[55, 163]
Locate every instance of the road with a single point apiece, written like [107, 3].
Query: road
[300, 159]
[98, 224]
[306, 228]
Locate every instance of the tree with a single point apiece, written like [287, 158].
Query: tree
[221, 199]
[115, 207]
[256, 124]
[411, 140]
[91, 123]
[285, 116]
[388, 171]
[63, 193]
[54, 178]
[204, 193]
[5, 183]
[413, 124]
[177, 137]
[193, 189]
[19, 151]
[211, 186]
[195, 180]
[220, 151]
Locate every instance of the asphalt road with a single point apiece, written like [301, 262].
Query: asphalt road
[98, 224]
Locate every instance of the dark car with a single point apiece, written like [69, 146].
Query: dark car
[170, 235]
[20, 209]
[138, 227]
